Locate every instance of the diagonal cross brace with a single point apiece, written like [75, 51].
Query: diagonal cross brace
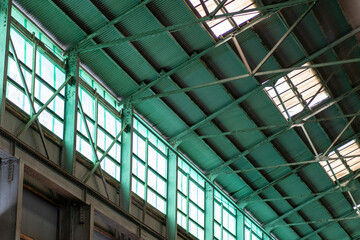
[92, 146]
[282, 39]
[28, 95]
[35, 116]
[104, 155]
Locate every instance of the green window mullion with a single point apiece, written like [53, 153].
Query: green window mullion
[187, 202]
[96, 128]
[146, 168]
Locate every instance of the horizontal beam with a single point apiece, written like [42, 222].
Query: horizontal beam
[248, 75]
[318, 221]
[328, 224]
[178, 27]
[273, 126]
[299, 196]
[285, 165]
[216, 171]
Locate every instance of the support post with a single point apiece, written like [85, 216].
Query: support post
[171, 216]
[126, 155]
[239, 225]
[70, 118]
[11, 189]
[5, 20]
[209, 211]
[77, 221]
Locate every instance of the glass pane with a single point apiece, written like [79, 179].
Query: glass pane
[139, 146]
[138, 169]
[157, 161]
[138, 188]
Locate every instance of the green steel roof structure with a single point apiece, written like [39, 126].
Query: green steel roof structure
[229, 100]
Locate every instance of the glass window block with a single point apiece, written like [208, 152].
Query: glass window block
[110, 123]
[217, 231]
[42, 92]
[156, 183]
[182, 203]
[139, 146]
[156, 201]
[247, 234]
[217, 212]
[115, 152]
[196, 194]
[47, 69]
[138, 169]
[110, 167]
[87, 102]
[59, 79]
[19, 45]
[181, 220]
[18, 98]
[196, 214]
[58, 105]
[157, 161]
[58, 128]
[83, 147]
[138, 188]
[101, 115]
[182, 183]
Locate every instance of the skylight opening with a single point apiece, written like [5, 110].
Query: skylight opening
[224, 25]
[347, 160]
[295, 90]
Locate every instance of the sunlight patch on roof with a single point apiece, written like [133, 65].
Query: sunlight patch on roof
[223, 25]
[345, 162]
[295, 90]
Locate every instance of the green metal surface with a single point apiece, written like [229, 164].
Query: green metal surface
[184, 82]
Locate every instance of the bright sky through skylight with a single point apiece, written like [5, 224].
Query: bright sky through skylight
[348, 160]
[295, 90]
[221, 26]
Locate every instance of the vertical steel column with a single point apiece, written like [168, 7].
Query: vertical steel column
[171, 216]
[126, 155]
[209, 211]
[70, 118]
[240, 226]
[11, 189]
[76, 221]
[5, 22]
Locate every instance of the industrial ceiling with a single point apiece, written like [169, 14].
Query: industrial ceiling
[230, 101]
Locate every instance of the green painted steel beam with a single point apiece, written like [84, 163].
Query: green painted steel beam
[240, 223]
[5, 19]
[259, 88]
[70, 116]
[126, 155]
[209, 211]
[171, 211]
